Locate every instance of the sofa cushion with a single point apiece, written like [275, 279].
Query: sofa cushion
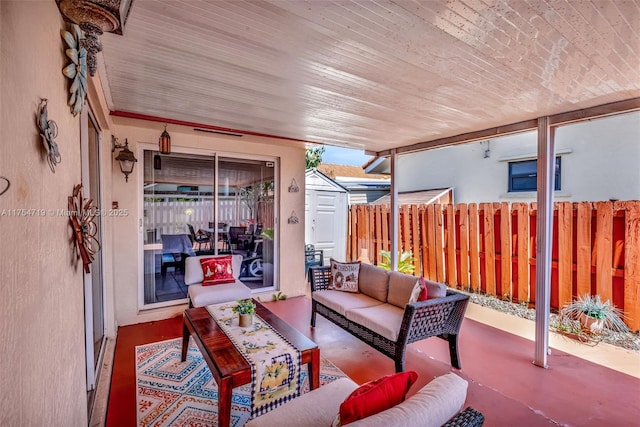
[375, 396]
[340, 302]
[193, 270]
[401, 285]
[374, 282]
[316, 408]
[217, 270]
[384, 319]
[431, 406]
[207, 295]
[344, 275]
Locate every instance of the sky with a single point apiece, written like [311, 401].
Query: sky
[344, 156]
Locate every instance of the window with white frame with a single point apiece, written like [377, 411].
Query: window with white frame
[523, 175]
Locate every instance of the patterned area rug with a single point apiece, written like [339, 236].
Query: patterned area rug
[171, 393]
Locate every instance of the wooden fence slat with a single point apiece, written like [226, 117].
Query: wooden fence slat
[451, 247]
[415, 239]
[583, 249]
[604, 250]
[439, 234]
[565, 253]
[431, 240]
[505, 250]
[489, 248]
[375, 256]
[405, 229]
[632, 264]
[386, 221]
[463, 232]
[424, 242]
[474, 254]
[523, 251]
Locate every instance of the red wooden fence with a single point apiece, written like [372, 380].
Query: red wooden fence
[491, 248]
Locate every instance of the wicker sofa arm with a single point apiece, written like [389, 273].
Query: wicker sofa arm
[320, 277]
[433, 317]
[467, 418]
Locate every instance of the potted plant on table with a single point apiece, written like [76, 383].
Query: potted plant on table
[245, 308]
[595, 315]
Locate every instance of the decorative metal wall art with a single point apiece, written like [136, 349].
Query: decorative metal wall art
[293, 218]
[293, 188]
[82, 216]
[95, 17]
[77, 70]
[48, 132]
[7, 187]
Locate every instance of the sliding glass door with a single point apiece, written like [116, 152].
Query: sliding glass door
[205, 205]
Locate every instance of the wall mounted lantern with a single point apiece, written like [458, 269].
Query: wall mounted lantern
[165, 142]
[125, 158]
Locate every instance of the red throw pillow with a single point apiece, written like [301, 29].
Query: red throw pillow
[217, 270]
[376, 396]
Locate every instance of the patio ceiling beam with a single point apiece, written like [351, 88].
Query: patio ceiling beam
[524, 126]
[544, 237]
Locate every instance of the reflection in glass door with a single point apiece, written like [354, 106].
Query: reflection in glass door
[246, 213]
[203, 205]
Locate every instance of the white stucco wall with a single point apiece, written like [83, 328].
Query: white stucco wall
[42, 368]
[126, 235]
[600, 161]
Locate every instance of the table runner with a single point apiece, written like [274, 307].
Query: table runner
[275, 363]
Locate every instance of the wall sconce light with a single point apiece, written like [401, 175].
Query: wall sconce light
[157, 162]
[165, 142]
[125, 158]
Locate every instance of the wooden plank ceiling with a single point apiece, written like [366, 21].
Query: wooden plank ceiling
[371, 74]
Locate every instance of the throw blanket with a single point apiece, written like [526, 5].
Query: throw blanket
[275, 363]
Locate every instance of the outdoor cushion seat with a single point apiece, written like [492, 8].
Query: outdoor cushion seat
[384, 319]
[200, 296]
[437, 403]
[341, 302]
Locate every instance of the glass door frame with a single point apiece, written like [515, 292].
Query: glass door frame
[216, 155]
[92, 371]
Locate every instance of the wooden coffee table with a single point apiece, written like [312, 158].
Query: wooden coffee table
[228, 366]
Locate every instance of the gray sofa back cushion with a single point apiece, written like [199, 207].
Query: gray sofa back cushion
[373, 281]
[400, 287]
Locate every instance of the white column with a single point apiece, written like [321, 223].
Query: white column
[544, 238]
[395, 216]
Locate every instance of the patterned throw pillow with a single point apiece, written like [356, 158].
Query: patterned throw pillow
[419, 292]
[344, 275]
[217, 270]
[375, 396]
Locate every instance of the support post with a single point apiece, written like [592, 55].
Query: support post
[395, 216]
[544, 237]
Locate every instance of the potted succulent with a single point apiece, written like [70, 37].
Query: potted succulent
[595, 315]
[245, 308]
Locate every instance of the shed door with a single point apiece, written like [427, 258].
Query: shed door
[326, 223]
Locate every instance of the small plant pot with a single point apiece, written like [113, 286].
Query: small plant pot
[246, 320]
[591, 324]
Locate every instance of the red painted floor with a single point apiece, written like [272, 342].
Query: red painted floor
[503, 383]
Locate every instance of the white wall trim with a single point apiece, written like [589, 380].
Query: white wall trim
[531, 156]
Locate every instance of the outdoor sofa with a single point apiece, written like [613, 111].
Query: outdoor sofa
[380, 314]
[437, 403]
